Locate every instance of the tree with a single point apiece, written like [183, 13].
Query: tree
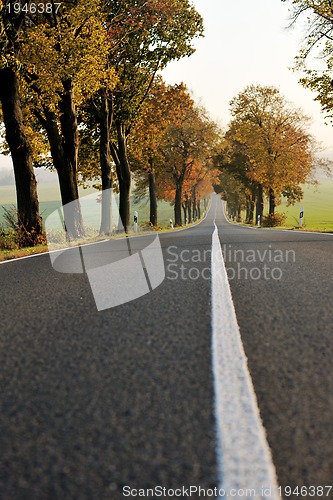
[145, 36]
[189, 140]
[12, 26]
[64, 59]
[146, 141]
[318, 41]
[279, 151]
[232, 190]
[197, 185]
[232, 160]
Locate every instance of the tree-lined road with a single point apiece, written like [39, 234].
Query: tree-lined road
[93, 401]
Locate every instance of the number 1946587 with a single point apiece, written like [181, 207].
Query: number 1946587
[33, 8]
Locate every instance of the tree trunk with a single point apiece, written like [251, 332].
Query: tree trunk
[272, 202]
[119, 154]
[124, 204]
[251, 208]
[194, 203]
[68, 122]
[26, 185]
[184, 206]
[106, 168]
[152, 198]
[66, 171]
[68, 174]
[199, 209]
[248, 204]
[178, 204]
[189, 210]
[250, 201]
[260, 203]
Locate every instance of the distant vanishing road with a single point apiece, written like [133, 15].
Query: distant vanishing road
[97, 404]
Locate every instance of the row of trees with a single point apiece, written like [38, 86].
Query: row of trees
[173, 148]
[267, 152]
[80, 91]
[170, 149]
[74, 81]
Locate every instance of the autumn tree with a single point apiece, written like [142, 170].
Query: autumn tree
[204, 188]
[12, 28]
[189, 140]
[273, 138]
[232, 160]
[145, 36]
[233, 192]
[197, 185]
[64, 59]
[147, 139]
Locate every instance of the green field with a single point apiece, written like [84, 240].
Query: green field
[317, 203]
[318, 207]
[49, 199]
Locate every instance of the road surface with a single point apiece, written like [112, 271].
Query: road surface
[93, 402]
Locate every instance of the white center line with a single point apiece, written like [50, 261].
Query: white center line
[244, 457]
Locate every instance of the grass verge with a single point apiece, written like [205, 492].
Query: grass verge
[318, 209]
[25, 252]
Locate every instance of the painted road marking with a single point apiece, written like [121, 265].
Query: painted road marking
[243, 454]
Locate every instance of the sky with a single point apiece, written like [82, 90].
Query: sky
[245, 43]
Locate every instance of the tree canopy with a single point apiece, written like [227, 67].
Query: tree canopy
[318, 42]
[268, 147]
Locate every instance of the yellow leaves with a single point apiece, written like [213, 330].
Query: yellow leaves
[76, 48]
[39, 146]
[9, 60]
[272, 138]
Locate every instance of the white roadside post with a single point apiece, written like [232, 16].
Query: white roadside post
[259, 221]
[301, 215]
[171, 224]
[135, 227]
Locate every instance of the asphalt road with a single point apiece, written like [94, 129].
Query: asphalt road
[94, 401]
[287, 332]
